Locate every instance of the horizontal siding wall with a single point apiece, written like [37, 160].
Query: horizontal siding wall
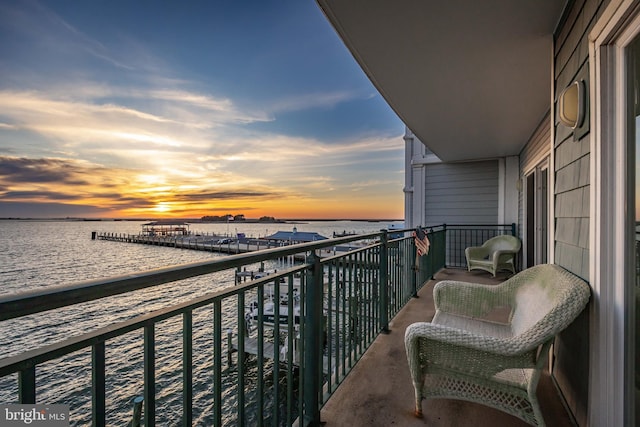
[461, 193]
[538, 146]
[536, 150]
[571, 199]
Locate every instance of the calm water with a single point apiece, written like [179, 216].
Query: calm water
[39, 254]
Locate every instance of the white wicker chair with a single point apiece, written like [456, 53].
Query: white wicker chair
[462, 355]
[497, 253]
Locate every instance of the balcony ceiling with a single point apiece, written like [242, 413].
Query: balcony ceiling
[472, 79]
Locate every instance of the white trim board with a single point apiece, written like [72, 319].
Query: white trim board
[610, 402]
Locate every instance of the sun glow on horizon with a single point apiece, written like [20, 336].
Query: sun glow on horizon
[111, 123]
[162, 207]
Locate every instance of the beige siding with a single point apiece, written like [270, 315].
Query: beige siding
[572, 202]
[461, 193]
[537, 147]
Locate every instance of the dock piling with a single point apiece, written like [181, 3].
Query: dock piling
[230, 349]
[137, 411]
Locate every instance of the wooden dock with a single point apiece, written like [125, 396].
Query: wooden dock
[251, 347]
[268, 349]
[200, 242]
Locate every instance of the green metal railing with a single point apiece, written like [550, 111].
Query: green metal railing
[461, 236]
[314, 321]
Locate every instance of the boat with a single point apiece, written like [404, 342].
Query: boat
[345, 233]
[275, 308]
[393, 230]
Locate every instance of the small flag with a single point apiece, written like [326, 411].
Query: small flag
[422, 243]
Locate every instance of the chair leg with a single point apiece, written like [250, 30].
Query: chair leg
[537, 413]
[418, 412]
[418, 409]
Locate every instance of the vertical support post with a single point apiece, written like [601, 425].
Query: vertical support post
[137, 411]
[241, 366]
[98, 388]
[415, 277]
[229, 348]
[217, 362]
[444, 232]
[260, 356]
[149, 375]
[513, 229]
[431, 255]
[27, 385]
[313, 344]
[384, 281]
[187, 368]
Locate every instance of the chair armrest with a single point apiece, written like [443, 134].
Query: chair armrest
[460, 350]
[498, 253]
[469, 299]
[503, 347]
[476, 252]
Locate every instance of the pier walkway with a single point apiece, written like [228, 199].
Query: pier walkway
[208, 243]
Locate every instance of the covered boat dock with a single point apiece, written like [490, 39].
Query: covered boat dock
[165, 228]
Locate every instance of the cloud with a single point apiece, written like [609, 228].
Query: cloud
[78, 182]
[52, 34]
[280, 154]
[115, 126]
[313, 100]
[49, 210]
[21, 170]
[226, 195]
[42, 195]
[173, 110]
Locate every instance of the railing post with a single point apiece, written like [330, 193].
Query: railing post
[384, 281]
[431, 255]
[149, 375]
[513, 228]
[415, 268]
[27, 385]
[98, 388]
[313, 343]
[445, 249]
[187, 368]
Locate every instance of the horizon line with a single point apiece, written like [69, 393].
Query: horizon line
[72, 218]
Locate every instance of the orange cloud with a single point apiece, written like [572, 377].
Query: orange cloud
[129, 193]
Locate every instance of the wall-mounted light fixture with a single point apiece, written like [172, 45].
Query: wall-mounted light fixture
[571, 105]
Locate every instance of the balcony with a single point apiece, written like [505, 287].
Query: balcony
[319, 322]
[378, 392]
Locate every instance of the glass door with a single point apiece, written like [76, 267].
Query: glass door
[633, 218]
[537, 214]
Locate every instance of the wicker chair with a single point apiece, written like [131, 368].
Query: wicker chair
[497, 253]
[463, 355]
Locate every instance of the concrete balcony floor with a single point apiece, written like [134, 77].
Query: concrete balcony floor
[378, 391]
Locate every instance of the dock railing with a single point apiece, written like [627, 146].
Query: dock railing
[314, 321]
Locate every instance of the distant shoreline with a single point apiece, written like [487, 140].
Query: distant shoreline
[199, 221]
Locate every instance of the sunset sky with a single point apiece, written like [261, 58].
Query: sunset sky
[143, 109]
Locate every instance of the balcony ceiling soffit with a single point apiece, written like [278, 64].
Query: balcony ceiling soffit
[472, 79]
